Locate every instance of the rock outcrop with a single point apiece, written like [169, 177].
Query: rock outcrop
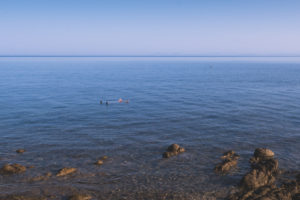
[230, 160]
[173, 150]
[259, 183]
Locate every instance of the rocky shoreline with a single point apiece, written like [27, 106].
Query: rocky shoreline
[262, 182]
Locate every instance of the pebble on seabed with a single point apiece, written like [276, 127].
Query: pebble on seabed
[20, 150]
[65, 171]
[80, 197]
[104, 157]
[101, 160]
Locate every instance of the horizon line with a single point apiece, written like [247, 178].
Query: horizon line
[103, 56]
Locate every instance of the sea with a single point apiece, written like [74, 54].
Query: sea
[50, 106]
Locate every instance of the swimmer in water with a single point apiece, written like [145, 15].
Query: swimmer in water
[118, 101]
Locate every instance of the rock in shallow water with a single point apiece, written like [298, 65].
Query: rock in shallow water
[65, 171]
[230, 160]
[173, 150]
[263, 173]
[263, 152]
[259, 183]
[12, 169]
[173, 147]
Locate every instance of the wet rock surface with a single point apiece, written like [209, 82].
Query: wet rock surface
[263, 153]
[259, 183]
[9, 169]
[230, 160]
[66, 171]
[173, 150]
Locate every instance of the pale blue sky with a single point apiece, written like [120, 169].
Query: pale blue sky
[154, 27]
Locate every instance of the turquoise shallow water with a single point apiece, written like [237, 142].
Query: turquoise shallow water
[50, 107]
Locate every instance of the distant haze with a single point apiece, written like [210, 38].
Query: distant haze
[154, 27]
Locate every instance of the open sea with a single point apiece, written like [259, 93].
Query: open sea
[50, 107]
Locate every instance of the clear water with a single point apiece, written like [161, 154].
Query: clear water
[50, 107]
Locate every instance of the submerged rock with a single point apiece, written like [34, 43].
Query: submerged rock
[230, 160]
[20, 150]
[65, 171]
[41, 178]
[12, 169]
[173, 150]
[80, 197]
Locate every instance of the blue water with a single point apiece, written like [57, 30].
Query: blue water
[50, 107]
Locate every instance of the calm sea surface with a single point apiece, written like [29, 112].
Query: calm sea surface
[50, 107]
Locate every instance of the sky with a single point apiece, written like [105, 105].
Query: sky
[150, 27]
